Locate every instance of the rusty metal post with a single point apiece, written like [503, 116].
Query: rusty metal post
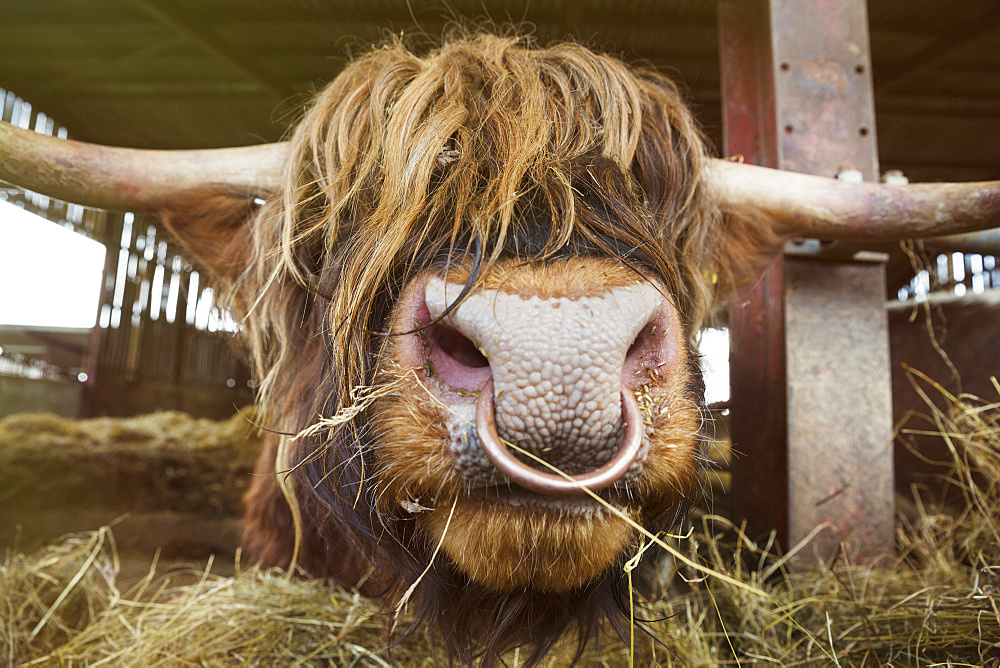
[757, 317]
[811, 414]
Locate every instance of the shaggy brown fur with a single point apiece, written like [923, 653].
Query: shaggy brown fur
[483, 156]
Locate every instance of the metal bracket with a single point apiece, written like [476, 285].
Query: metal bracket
[832, 251]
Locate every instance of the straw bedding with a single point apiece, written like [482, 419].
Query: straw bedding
[938, 604]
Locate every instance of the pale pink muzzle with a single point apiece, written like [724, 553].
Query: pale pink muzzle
[555, 375]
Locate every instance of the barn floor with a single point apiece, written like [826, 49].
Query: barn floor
[107, 595]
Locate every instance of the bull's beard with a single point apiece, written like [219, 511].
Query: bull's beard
[480, 613]
[388, 526]
[473, 618]
[508, 601]
[511, 548]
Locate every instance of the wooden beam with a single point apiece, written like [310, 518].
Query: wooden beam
[958, 37]
[986, 166]
[436, 15]
[177, 91]
[943, 110]
[207, 39]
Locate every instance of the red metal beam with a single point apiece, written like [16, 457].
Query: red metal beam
[811, 415]
[757, 319]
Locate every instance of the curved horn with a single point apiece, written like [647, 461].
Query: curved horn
[127, 178]
[818, 206]
[799, 204]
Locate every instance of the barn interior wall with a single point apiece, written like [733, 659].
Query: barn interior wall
[955, 342]
[153, 347]
[31, 395]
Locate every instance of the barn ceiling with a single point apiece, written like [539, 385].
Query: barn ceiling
[200, 73]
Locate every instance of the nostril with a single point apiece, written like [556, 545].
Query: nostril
[456, 346]
[642, 342]
[454, 359]
[647, 358]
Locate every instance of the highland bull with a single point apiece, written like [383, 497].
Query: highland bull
[462, 265]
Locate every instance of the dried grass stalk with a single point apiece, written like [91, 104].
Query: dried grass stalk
[50, 597]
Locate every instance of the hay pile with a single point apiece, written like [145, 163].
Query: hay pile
[178, 479]
[939, 604]
[162, 460]
[61, 606]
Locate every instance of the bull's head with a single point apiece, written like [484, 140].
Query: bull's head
[481, 272]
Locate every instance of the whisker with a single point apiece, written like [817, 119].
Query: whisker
[409, 592]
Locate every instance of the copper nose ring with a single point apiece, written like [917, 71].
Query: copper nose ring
[553, 483]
